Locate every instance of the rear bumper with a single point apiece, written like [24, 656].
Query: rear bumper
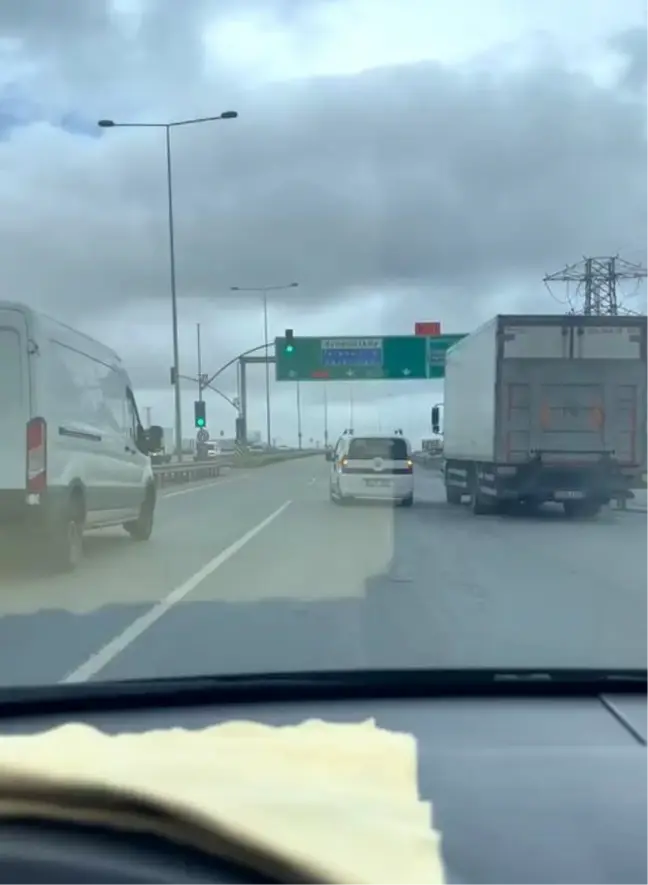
[386, 488]
[603, 480]
[19, 516]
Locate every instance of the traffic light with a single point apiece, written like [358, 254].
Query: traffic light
[200, 415]
[289, 346]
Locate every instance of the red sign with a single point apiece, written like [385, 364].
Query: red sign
[427, 329]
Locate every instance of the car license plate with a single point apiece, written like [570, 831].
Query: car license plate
[377, 482]
[568, 496]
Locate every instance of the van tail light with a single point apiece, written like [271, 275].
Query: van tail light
[409, 466]
[342, 463]
[36, 456]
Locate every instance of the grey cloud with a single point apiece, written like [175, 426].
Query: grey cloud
[632, 44]
[415, 174]
[442, 189]
[150, 60]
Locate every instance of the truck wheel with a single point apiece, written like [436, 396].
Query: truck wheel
[408, 501]
[586, 509]
[480, 505]
[141, 529]
[453, 495]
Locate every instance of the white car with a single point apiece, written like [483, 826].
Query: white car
[73, 452]
[372, 466]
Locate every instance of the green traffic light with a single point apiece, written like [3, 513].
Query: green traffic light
[289, 348]
[200, 422]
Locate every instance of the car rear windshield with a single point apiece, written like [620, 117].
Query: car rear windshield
[389, 448]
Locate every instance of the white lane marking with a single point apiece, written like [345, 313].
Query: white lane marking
[119, 643]
[204, 485]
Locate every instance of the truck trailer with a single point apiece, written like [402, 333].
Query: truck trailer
[545, 408]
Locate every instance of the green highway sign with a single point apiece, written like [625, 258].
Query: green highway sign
[370, 358]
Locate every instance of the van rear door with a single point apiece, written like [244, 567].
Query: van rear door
[14, 399]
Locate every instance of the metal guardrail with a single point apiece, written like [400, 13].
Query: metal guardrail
[193, 471]
[189, 471]
[430, 462]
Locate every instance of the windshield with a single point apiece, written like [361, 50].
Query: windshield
[322, 338]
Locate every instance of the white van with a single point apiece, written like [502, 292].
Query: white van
[372, 466]
[73, 453]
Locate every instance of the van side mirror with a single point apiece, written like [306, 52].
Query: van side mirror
[154, 438]
[436, 419]
[328, 454]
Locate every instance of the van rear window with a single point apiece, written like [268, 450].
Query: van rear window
[368, 448]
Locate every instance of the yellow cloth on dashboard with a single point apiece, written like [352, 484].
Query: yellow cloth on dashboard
[315, 802]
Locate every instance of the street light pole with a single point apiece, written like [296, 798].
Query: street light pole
[267, 369]
[299, 418]
[111, 124]
[199, 361]
[264, 291]
[174, 300]
[325, 417]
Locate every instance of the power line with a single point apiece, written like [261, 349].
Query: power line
[597, 284]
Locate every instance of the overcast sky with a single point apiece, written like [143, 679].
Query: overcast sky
[405, 161]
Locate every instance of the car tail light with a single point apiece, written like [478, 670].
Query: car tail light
[409, 466]
[343, 463]
[36, 456]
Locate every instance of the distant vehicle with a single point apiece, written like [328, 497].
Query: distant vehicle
[73, 452]
[372, 466]
[159, 454]
[546, 408]
[205, 451]
[432, 446]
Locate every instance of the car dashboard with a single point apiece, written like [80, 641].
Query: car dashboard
[525, 788]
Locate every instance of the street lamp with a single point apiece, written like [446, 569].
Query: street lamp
[112, 124]
[264, 290]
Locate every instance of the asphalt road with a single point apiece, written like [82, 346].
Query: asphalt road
[258, 571]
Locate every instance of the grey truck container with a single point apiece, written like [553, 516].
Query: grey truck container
[542, 408]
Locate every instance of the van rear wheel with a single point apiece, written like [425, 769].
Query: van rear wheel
[64, 542]
[141, 528]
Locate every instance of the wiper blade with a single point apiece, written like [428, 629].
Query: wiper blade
[316, 686]
[585, 675]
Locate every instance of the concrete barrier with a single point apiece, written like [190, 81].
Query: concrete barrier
[194, 471]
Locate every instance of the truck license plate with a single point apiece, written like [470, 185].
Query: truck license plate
[569, 496]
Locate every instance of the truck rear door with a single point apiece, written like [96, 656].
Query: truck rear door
[14, 399]
[572, 393]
